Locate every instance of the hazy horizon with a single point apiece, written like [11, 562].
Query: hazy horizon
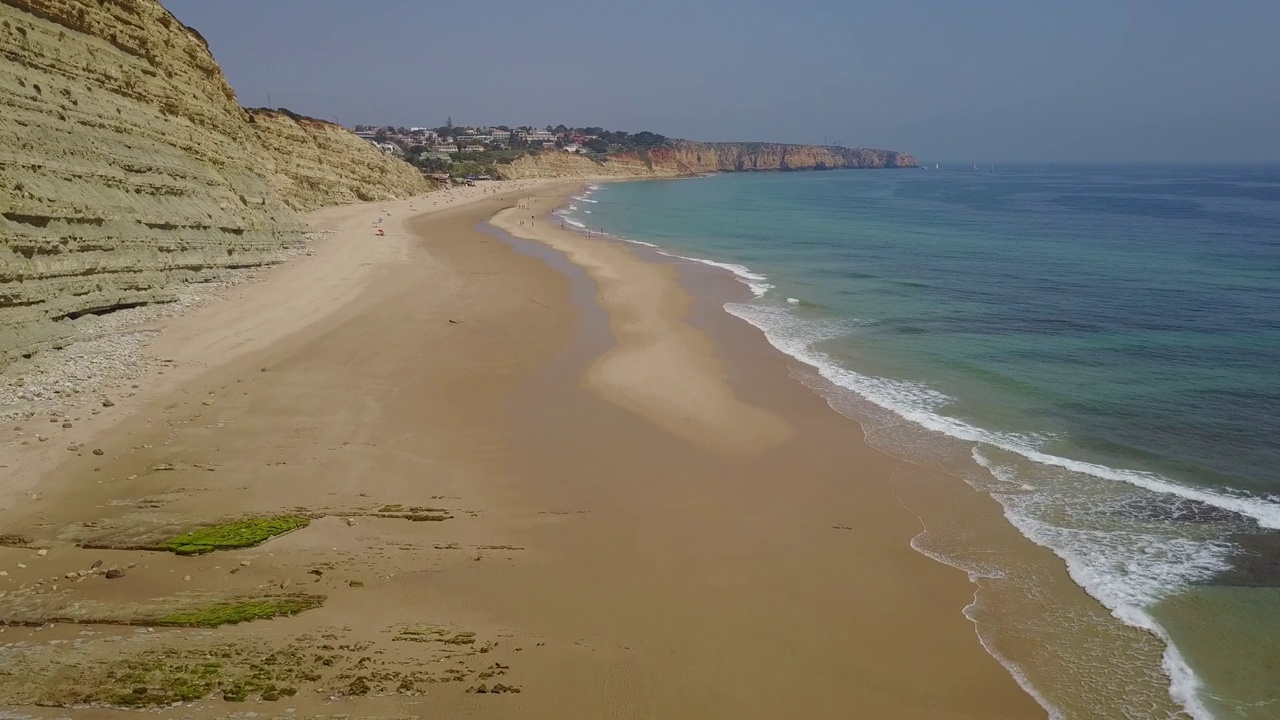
[985, 82]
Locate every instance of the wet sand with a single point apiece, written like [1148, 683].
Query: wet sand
[575, 481]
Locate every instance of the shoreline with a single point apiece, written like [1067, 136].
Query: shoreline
[1004, 611]
[710, 286]
[576, 541]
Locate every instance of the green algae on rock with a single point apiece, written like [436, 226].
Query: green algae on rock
[245, 610]
[239, 534]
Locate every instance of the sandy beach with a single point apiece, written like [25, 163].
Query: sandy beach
[545, 478]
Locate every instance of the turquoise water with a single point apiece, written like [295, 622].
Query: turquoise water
[1099, 344]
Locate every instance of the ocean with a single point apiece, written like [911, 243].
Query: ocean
[1095, 346]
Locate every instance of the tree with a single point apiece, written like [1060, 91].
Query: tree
[448, 122]
[597, 145]
[647, 139]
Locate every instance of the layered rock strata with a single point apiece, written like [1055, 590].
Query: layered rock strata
[127, 167]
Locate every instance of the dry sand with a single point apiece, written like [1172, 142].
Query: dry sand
[632, 520]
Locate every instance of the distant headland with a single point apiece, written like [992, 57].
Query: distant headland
[561, 151]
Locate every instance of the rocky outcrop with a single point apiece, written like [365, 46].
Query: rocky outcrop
[317, 163]
[694, 158]
[127, 167]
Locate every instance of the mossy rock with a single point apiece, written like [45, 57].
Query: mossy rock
[462, 638]
[238, 611]
[239, 534]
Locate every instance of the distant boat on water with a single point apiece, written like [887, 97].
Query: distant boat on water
[935, 166]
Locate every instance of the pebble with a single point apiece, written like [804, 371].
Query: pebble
[66, 425]
[98, 452]
[350, 522]
[245, 563]
[72, 448]
[186, 577]
[114, 573]
[42, 553]
[356, 583]
[96, 564]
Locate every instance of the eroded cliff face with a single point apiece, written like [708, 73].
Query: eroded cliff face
[693, 158]
[318, 163]
[127, 166]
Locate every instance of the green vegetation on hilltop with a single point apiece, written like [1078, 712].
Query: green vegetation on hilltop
[239, 534]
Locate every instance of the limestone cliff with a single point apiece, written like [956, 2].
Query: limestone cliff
[693, 158]
[127, 166]
[318, 163]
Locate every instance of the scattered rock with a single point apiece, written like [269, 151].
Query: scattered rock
[245, 563]
[359, 686]
[98, 452]
[113, 573]
[96, 564]
[108, 403]
[66, 425]
[42, 553]
[72, 448]
[208, 401]
[356, 583]
[350, 522]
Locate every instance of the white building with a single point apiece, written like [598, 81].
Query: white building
[536, 136]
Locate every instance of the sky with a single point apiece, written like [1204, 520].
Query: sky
[981, 80]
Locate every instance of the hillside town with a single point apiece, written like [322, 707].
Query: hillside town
[474, 152]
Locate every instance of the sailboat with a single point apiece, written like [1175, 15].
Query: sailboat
[935, 166]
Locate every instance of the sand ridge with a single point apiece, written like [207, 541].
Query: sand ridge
[658, 367]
